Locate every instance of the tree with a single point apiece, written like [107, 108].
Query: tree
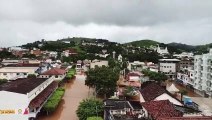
[29, 56]
[89, 108]
[94, 118]
[5, 54]
[157, 76]
[2, 81]
[103, 79]
[31, 76]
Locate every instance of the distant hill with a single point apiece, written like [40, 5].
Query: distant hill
[182, 47]
[143, 43]
[75, 42]
[79, 40]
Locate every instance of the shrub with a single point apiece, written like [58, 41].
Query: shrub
[31, 76]
[2, 81]
[94, 118]
[54, 100]
[89, 108]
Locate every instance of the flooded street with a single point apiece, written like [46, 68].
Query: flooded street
[76, 91]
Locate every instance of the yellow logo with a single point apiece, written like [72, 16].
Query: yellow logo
[19, 111]
[7, 111]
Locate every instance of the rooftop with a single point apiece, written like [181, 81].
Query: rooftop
[54, 71]
[151, 90]
[187, 118]
[23, 65]
[161, 109]
[22, 85]
[116, 104]
[169, 60]
[36, 102]
[17, 69]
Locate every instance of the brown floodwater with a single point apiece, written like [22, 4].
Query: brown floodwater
[76, 91]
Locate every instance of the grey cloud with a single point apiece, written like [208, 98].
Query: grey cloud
[115, 12]
[186, 21]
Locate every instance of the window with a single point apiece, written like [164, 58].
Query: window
[56, 76]
[5, 74]
[25, 73]
[164, 66]
[17, 73]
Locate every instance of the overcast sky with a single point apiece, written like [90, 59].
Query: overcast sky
[184, 21]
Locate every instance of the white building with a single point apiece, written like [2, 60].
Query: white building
[98, 63]
[56, 73]
[202, 73]
[162, 51]
[23, 99]
[12, 73]
[9, 62]
[184, 54]
[120, 58]
[169, 67]
[186, 78]
[139, 66]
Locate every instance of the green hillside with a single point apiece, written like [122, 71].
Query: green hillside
[143, 43]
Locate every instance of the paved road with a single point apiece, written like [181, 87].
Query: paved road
[75, 92]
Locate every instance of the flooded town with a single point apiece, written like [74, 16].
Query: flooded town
[105, 60]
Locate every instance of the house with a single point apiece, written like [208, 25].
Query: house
[115, 109]
[160, 109]
[98, 63]
[56, 73]
[23, 99]
[170, 67]
[9, 61]
[188, 118]
[151, 91]
[70, 51]
[36, 52]
[134, 76]
[14, 71]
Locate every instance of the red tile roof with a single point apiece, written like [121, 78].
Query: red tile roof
[188, 118]
[161, 109]
[72, 51]
[151, 90]
[54, 71]
[36, 102]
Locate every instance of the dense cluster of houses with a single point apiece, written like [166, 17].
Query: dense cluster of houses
[137, 97]
[149, 100]
[153, 101]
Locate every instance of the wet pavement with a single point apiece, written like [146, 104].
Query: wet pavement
[76, 91]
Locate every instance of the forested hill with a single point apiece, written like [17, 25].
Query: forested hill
[61, 44]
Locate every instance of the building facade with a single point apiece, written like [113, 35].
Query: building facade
[203, 73]
[169, 67]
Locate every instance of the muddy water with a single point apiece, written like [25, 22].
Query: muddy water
[75, 92]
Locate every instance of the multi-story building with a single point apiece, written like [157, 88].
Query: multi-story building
[186, 64]
[203, 73]
[170, 67]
